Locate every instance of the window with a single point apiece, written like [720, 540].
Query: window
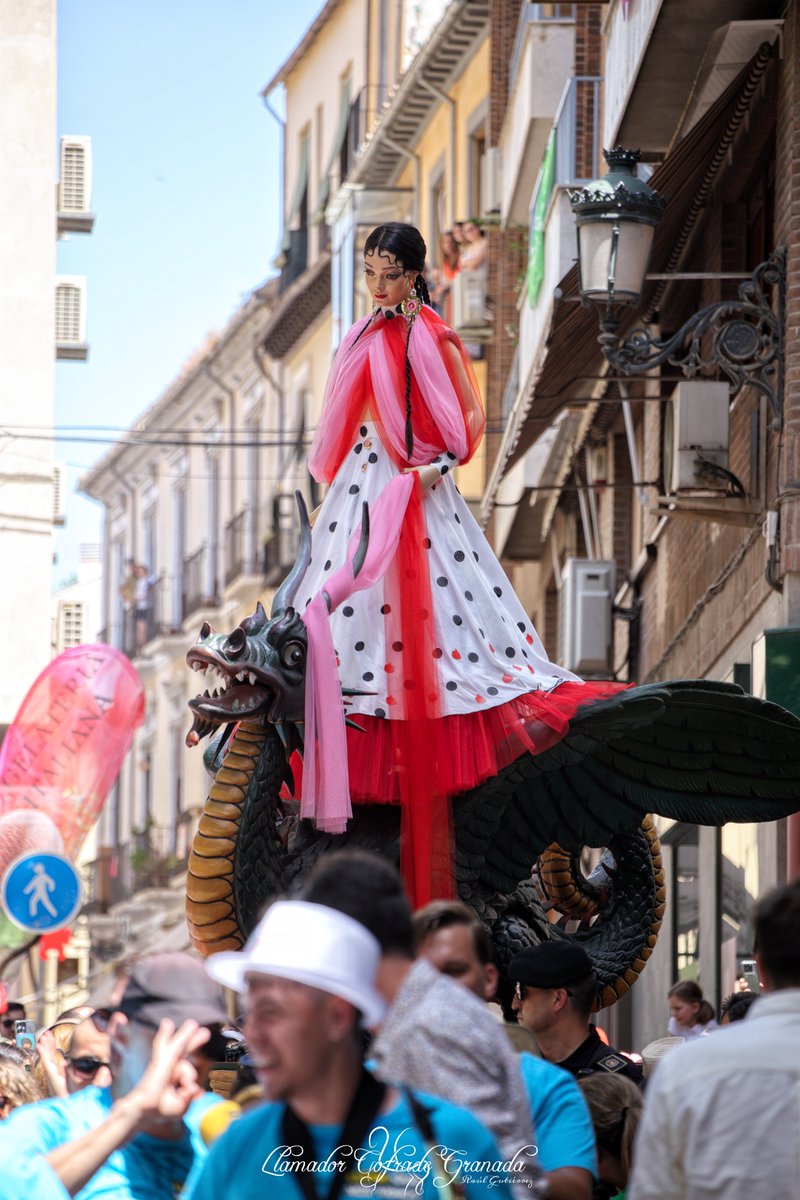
[71, 631]
[685, 902]
[739, 881]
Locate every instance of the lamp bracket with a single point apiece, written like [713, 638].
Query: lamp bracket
[744, 338]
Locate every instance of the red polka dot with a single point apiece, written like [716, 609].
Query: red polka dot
[507, 678]
[529, 639]
[491, 648]
[389, 669]
[480, 700]
[515, 667]
[391, 700]
[455, 654]
[338, 663]
[530, 668]
[433, 697]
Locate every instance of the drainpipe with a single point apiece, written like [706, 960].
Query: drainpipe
[414, 158]
[633, 454]
[282, 151]
[451, 195]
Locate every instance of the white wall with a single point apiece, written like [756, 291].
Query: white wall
[27, 366]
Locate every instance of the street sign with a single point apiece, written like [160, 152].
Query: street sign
[41, 892]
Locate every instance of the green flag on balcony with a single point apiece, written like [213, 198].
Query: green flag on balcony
[544, 190]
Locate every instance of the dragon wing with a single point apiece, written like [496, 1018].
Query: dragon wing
[697, 751]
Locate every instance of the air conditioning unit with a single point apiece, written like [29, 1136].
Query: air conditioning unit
[695, 437]
[587, 595]
[492, 182]
[75, 185]
[59, 494]
[71, 317]
[468, 299]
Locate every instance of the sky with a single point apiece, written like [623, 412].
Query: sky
[186, 189]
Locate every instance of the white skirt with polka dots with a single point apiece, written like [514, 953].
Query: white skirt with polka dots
[486, 649]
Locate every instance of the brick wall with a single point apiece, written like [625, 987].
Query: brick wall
[787, 233]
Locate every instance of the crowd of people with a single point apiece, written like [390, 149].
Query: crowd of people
[369, 1055]
[462, 248]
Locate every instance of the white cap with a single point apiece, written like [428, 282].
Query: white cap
[311, 944]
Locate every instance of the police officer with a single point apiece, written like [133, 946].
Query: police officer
[555, 990]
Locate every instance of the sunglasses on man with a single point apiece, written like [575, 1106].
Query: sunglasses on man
[520, 990]
[86, 1065]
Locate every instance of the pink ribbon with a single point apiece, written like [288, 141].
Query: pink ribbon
[325, 796]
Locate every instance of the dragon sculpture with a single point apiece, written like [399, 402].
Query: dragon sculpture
[696, 751]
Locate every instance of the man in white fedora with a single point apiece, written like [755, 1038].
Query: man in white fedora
[330, 1127]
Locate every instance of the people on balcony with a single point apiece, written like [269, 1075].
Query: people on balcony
[473, 252]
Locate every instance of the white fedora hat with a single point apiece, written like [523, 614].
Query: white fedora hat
[311, 944]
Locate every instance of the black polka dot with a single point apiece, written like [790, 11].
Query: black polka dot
[492, 691]
[525, 653]
[457, 620]
[308, 601]
[437, 653]
[363, 431]
[458, 518]
[498, 591]
[459, 556]
[332, 526]
[468, 595]
[452, 457]
[346, 612]
[472, 657]
[368, 676]
[373, 458]
[357, 448]
[445, 469]
[521, 626]
[359, 646]
[451, 686]
[398, 646]
[480, 631]
[426, 542]
[475, 555]
[386, 608]
[442, 581]
[510, 652]
[327, 566]
[380, 712]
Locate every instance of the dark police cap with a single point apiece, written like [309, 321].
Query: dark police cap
[551, 964]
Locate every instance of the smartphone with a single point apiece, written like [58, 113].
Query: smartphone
[26, 1035]
[750, 973]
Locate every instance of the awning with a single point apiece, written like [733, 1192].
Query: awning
[301, 184]
[686, 177]
[338, 142]
[300, 304]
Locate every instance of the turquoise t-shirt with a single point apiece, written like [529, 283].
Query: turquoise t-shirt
[147, 1168]
[561, 1118]
[250, 1162]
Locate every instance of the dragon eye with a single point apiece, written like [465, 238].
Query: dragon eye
[293, 654]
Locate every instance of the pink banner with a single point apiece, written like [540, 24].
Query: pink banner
[64, 750]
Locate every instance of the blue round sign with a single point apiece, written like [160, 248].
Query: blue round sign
[41, 892]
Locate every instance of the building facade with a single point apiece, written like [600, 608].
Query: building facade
[693, 548]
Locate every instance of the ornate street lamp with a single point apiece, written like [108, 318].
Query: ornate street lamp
[616, 217]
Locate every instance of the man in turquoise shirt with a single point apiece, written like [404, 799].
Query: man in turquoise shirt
[138, 1139]
[331, 1128]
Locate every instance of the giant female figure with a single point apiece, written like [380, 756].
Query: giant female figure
[456, 681]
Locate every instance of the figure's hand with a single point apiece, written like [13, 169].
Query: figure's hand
[169, 1084]
[428, 475]
[53, 1062]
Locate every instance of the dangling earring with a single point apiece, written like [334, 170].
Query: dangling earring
[411, 305]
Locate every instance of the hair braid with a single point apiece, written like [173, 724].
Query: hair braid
[421, 285]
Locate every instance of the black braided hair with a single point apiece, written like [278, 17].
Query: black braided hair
[407, 246]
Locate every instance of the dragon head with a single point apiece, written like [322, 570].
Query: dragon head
[258, 672]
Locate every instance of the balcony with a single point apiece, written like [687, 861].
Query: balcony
[571, 157]
[540, 67]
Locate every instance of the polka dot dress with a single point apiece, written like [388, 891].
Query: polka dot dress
[485, 649]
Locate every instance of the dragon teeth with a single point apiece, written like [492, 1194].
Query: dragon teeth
[253, 678]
